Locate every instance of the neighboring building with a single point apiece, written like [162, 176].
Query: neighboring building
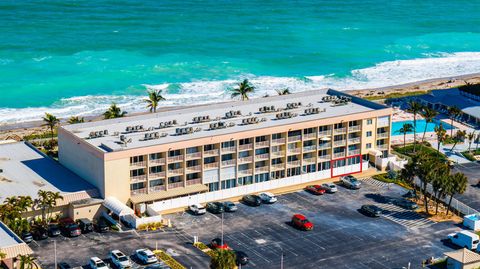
[12, 246]
[218, 151]
[462, 259]
[24, 171]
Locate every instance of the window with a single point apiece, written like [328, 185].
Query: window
[156, 169]
[228, 144]
[369, 121]
[369, 133]
[230, 183]
[261, 138]
[213, 186]
[209, 147]
[156, 182]
[174, 153]
[137, 172]
[155, 156]
[369, 145]
[136, 159]
[276, 136]
[192, 150]
[137, 186]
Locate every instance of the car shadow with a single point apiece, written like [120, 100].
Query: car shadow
[378, 198]
[448, 243]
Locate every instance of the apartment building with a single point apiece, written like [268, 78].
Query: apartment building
[217, 151]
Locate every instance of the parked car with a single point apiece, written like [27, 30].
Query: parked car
[69, 228]
[40, 233]
[371, 210]
[63, 265]
[350, 182]
[85, 225]
[145, 256]
[215, 207]
[404, 203]
[197, 209]
[158, 266]
[53, 230]
[410, 194]
[252, 200]
[315, 189]
[120, 260]
[217, 243]
[465, 239]
[27, 237]
[229, 206]
[268, 197]
[330, 187]
[242, 258]
[97, 263]
[102, 225]
[301, 222]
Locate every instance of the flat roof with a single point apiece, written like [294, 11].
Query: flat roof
[7, 237]
[217, 113]
[453, 97]
[25, 171]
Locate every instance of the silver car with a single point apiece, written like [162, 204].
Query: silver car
[350, 182]
[330, 187]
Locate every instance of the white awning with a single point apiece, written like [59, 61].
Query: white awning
[375, 152]
[117, 207]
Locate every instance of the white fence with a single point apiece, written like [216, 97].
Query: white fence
[134, 221]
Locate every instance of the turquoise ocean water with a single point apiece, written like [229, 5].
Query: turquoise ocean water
[76, 57]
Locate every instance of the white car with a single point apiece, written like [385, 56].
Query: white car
[120, 260]
[330, 187]
[145, 256]
[97, 263]
[197, 209]
[268, 197]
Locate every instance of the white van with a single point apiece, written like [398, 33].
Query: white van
[465, 239]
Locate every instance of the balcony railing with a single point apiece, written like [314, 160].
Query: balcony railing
[338, 155]
[382, 135]
[383, 146]
[245, 146]
[262, 169]
[340, 130]
[324, 157]
[325, 146]
[139, 164]
[194, 181]
[175, 185]
[309, 136]
[262, 144]
[293, 163]
[340, 143]
[278, 153]
[160, 161]
[383, 124]
[138, 178]
[309, 148]
[157, 188]
[194, 155]
[229, 149]
[355, 128]
[354, 140]
[247, 159]
[278, 166]
[325, 133]
[294, 138]
[354, 152]
[278, 141]
[138, 191]
[264, 156]
[196, 168]
[309, 160]
[177, 158]
[229, 162]
[156, 175]
[175, 172]
[245, 172]
[212, 152]
[294, 150]
[210, 165]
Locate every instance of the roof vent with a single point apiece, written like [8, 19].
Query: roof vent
[251, 120]
[267, 109]
[315, 110]
[293, 105]
[232, 114]
[97, 134]
[167, 124]
[285, 115]
[183, 131]
[200, 119]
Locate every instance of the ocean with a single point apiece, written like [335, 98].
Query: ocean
[77, 57]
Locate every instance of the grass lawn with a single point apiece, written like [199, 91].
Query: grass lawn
[408, 151]
[395, 95]
[384, 178]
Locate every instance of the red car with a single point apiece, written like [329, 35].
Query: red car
[315, 189]
[69, 227]
[217, 244]
[301, 222]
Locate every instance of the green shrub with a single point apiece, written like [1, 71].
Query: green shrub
[169, 260]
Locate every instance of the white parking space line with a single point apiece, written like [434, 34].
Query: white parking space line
[406, 218]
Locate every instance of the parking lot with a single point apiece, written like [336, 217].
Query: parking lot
[342, 237]
[471, 197]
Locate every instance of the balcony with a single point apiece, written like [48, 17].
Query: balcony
[194, 181]
[339, 155]
[175, 172]
[229, 162]
[340, 130]
[247, 159]
[309, 160]
[193, 169]
[383, 124]
[174, 185]
[156, 175]
[260, 157]
[194, 155]
[278, 153]
[309, 148]
[354, 152]
[294, 150]
[229, 150]
[173, 159]
[210, 165]
[138, 164]
[325, 133]
[278, 166]
[262, 169]
[160, 161]
[211, 153]
[138, 178]
[245, 146]
[325, 146]
[309, 136]
[245, 172]
[382, 135]
[157, 188]
[138, 191]
[354, 140]
[293, 164]
[382, 146]
[294, 138]
[326, 157]
[262, 144]
[340, 143]
[355, 128]
[278, 141]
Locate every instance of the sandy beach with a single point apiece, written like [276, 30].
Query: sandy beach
[19, 130]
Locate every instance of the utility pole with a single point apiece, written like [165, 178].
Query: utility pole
[55, 252]
[281, 260]
[222, 229]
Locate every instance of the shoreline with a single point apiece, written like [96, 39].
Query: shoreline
[15, 130]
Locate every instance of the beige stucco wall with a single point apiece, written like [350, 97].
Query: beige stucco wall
[62, 211]
[365, 128]
[89, 211]
[117, 179]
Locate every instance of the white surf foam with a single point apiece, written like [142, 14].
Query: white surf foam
[201, 92]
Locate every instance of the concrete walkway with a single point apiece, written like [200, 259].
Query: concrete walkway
[455, 155]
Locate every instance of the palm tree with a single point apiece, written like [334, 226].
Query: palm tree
[50, 121]
[243, 90]
[114, 112]
[425, 173]
[154, 97]
[439, 182]
[223, 259]
[406, 128]
[27, 262]
[46, 201]
[428, 114]
[459, 136]
[75, 120]
[453, 112]
[415, 108]
[478, 142]
[441, 135]
[284, 91]
[2, 256]
[471, 138]
[458, 185]
[53, 198]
